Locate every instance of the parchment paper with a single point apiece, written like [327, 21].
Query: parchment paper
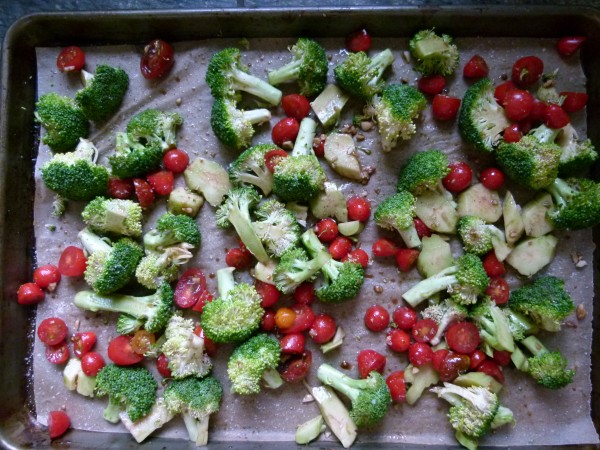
[542, 416]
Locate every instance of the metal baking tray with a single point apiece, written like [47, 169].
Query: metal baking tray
[19, 136]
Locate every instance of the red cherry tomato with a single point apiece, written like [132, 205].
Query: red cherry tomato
[424, 330]
[176, 160]
[296, 106]
[358, 41]
[296, 368]
[91, 363]
[398, 340]
[492, 178]
[359, 208]
[209, 345]
[556, 117]
[492, 369]
[121, 353]
[157, 59]
[285, 131]
[323, 328]
[46, 277]
[357, 256]
[369, 361]
[383, 247]
[268, 320]
[162, 366]
[340, 247]
[405, 317]
[72, 262]
[452, 365]
[445, 107]
[377, 318]
[326, 230]
[143, 192]
[406, 259]
[305, 293]
[57, 354]
[120, 188]
[574, 101]
[52, 331]
[476, 67]
[70, 59]
[319, 146]
[268, 292]
[512, 133]
[397, 386]
[274, 157]
[438, 358]
[30, 294]
[292, 344]
[83, 342]
[527, 71]
[463, 337]
[518, 104]
[422, 229]
[303, 319]
[204, 298]
[58, 423]
[502, 89]
[431, 84]
[476, 358]
[501, 357]
[189, 288]
[459, 178]
[238, 258]
[162, 182]
[493, 267]
[567, 46]
[498, 290]
[419, 354]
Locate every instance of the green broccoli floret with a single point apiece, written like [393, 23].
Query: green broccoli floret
[173, 230]
[152, 125]
[255, 359]
[233, 126]
[396, 111]
[127, 324]
[157, 268]
[133, 158]
[122, 217]
[577, 156]
[63, 120]
[577, 203]
[481, 120]
[236, 314]
[370, 397]
[226, 75]
[129, 388]
[276, 227]
[103, 92]
[154, 309]
[444, 314]
[479, 237]
[195, 400]
[294, 268]
[110, 266]
[494, 326]
[184, 349]
[424, 172]
[75, 175]
[361, 76]
[158, 416]
[397, 212]
[250, 168]
[433, 54]
[544, 300]
[309, 66]
[465, 281]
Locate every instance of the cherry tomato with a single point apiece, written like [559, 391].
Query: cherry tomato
[72, 262]
[574, 101]
[303, 319]
[143, 192]
[157, 59]
[359, 208]
[142, 342]
[422, 229]
[431, 84]
[57, 354]
[91, 363]
[438, 358]
[377, 318]
[527, 71]
[284, 317]
[274, 157]
[52, 331]
[120, 188]
[58, 423]
[70, 59]
[319, 146]
[526, 125]
[209, 345]
[238, 258]
[463, 337]
[268, 292]
[501, 357]
[46, 277]
[292, 344]
[476, 67]
[492, 369]
[121, 353]
[452, 365]
[459, 178]
[518, 104]
[476, 358]
[445, 107]
[424, 330]
[398, 340]
[162, 366]
[30, 294]
[162, 182]
[358, 41]
[296, 368]
[492, 178]
[383, 247]
[419, 354]
[556, 117]
[340, 247]
[285, 131]
[176, 160]
[502, 89]
[326, 230]
[397, 386]
[189, 288]
[567, 46]
[296, 106]
[204, 298]
[83, 342]
[267, 322]
[493, 267]
[498, 290]
[512, 133]
[357, 256]
[323, 328]
[405, 317]
[406, 259]
[305, 293]
[369, 361]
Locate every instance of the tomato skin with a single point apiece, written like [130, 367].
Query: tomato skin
[268, 292]
[359, 208]
[120, 188]
[424, 330]
[492, 178]
[204, 298]
[459, 178]
[303, 319]
[419, 354]
[57, 354]
[452, 365]
[493, 267]
[438, 358]
[326, 230]
[274, 157]
[377, 318]
[305, 293]
[72, 262]
[384, 247]
[157, 59]
[502, 89]
[476, 67]
[492, 369]
[574, 101]
[162, 366]
[369, 361]
[512, 133]
[340, 247]
[176, 160]
[431, 84]
[296, 368]
[498, 290]
[476, 358]
[296, 106]
[58, 423]
[518, 104]
[83, 342]
[284, 317]
[357, 256]
[526, 71]
[267, 322]
[567, 46]
[285, 131]
[143, 192]
[121, 353]
[323, 328]
[556, 117]
[397, 386]
[319, 146]
[70, 59]
[405, 317]
[292, 344]
[358, 41]
[46, 277]
[422, 229]
[162, 182]
[239, 258]
[189, 288]
[445, 107]
[142, 342]
[209, 345]
[463, 337]
[52, 331]
[501, 357]
[398, 340]
[30, 294]
[91, 363]
[406, 258]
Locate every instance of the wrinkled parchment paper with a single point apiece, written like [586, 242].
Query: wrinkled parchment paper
[542, 416]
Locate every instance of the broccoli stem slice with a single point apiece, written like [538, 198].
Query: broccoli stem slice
[350, 387]
[430, 46]
[288, 72]
[248, 235]
[255, 86]
[111, 412]
[128, 304]
[156, 418]
[86, 78]
[93, 243]
[379, 63]
[410, 237]
[546, 135]
[304, 140]
[255, 116]
[503, 416]
[272, 379]
[534, 345]
[197, 428]
[466, 441]
[430, 286]
[225, 281]
[519, 359]
[561, 192]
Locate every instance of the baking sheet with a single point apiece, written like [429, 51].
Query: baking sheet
[543, 417]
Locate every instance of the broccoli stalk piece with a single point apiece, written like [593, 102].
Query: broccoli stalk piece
[133, 158]
[152, 125]
[64, 122]
[420, 378]
[370, 397]
[155, 309]
[444, 313]
[184, 349]
[250, 168]
[396, 111]
[276, 227]
[158, 416]
[103, 92]
[520, 326]
[122, 217]
[157, 268]
[361, 76]
[479, 237]
[397, 212]
[577, 156]
[110, 266]
[424, 172]
[295, 267]
[226, 75]
[309, 66]
[494, 327]
[233, 126]
[577, 203]
[75, 175]
[173, 230]
[433, 54]
[465, 281]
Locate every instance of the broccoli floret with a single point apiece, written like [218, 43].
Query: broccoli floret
[156, 268]
[397, 212]
[494, 326]
[233, 126]
[255, 359]
[154, 309]
[152, 125]
[250, 168]
[577, 203]
[110, 266]
[75, 175]
[370, 397]
[103, 92]
[544, 300]
[549, 369]
[396, 111]
[481, 120]
[226, 75]
[424, 172]
[309, 66]
[184, 349]
[433, 54]
[520, 326]
[173, 230]
[122, 217]
[444, 313]
[195, 400]
[479, 237]
[465, 281]
[63, 120]
[360, 75]
[133, 158]
[276, 227]
[236, 314]
[127, 324]
[577, 156]
[144, 427]
[129, 388]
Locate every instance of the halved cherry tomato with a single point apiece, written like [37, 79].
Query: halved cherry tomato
[438, 358]
[189, 288]
[358, 41]
[121, 353]
[502, 89]
[498, 290]
[340, 247]
[292, 344]
[357, 256]
[463, 337]
[120, 188]
[512, 133]
[268, 292]
[323, 328]
[574, 101]
[369, 361]
[422, 229]
[83, 342]
[556, 117]
[162, 366]
[52, 331]
[157, 59]
[459, 178]
[30, 294]
[303, 319]
[91, 363]
[397, 386]
[285, 131]
[296, 106]
[305, 293]
[204, 298]
[143, 192]
[567, 46]
[398, 340]
[424, 330]
[527, 71]
[239, 258]
[420, 353]
[46, 277]
[162, 182]
[445, 107]
[377, 318]
[142, 342]
[70, 59]
[176, 160]
[405, 317]
[501, 357]
[326, 230]
[493, 267]
[209, 345]
[431, 84]
[72, 262]
[476, 67]
[384, 247]
[492, 178]
[296, 368]
[274, 157]
[406, 258]
[492, 369]
[58, 423]
[57, 354]
[517, 104]
[359, 208]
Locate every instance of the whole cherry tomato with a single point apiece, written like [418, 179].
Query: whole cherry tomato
[445, 107]
[567, 46]
[369, 361]
[296, 106]
[157, 59]
[358, 41]
[527, 71]
[476, 67]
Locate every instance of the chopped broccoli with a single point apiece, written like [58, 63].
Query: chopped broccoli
[154, 309]
[157, 268]
[129, 388]
[255, 359]
[520, 326]
[184, 349]
[127, 324]
[233, 126]
[360, 75]
[309, 66]
[494, 326]
[173, 230]
[75, 175]
[144, 427]
[549, 369]
[444, 313]
[122, 217]
[133, 158]
[63, 120]
[477, 236]
[397, 212]
[434, 54]
[577, 203]
[276, 227]
[294, 268]
[396, 110]
[103, 92]
[370, 397]
[424, 172]
[250, 168]
[152, 125]
[577, 156]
